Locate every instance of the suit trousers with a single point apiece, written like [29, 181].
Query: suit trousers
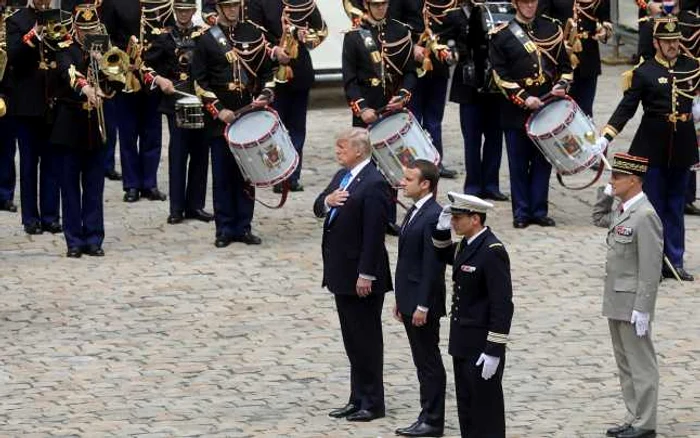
[639, 373]
[529, 176]
[234, 199]
[188, 164]
[140, 139]
[110, 108]
[425, 350]
[38, 172]
[691, 191]
[666, 189]
[361, 327]
[82, 190]
[480, 405]
[292, 106]
[583, 92]
[8, 149]
[482, 161]
[428, 105]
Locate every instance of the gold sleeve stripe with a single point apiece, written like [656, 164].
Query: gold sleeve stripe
[201, 92]
[441, 243]
[497, 338]
[609, 130]
[568, 76]
[504, 84]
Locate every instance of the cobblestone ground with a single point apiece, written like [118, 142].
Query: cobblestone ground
[168, 336]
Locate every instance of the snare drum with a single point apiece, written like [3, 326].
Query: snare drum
[565, 135]
[262, 148]
[189, 113]
[397, 141]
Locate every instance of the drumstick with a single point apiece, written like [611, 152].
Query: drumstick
[185, 94]
[672, 268]
[605, 161]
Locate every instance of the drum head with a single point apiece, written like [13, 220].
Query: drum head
[552, 116]
[388, 127]
[251, 127]
[188, 101]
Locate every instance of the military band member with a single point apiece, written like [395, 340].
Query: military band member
[168, 66]
[665, 85]
[297, 27]
[529, 62]
[232, 67]
[632, 268]
[138, 119]
[209, 12]
[8, 138]
[482, 310]
[77, 135]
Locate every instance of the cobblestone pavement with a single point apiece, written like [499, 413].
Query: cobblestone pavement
[168, 336]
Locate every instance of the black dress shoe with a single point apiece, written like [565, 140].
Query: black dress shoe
[615, 431]
[691, 209]
[420, 429]
[447, 173]
[520, 224]
[33, 229]
[496, 196]
[296, 187]
[682, 274]
[94, 251]
[344, 411]
[248, 238]
[8, 206]
[633, 432]
[544, 221]
[223, 241]
[175, 218]
[131, 195]
[364, 415]
[393, 229]
[113, 175]
[53, 227]
[74, 253]
[200, 215]
[153, 194]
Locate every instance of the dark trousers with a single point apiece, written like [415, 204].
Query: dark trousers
[666, 187]
[188, 164]
[529, 176]
[140, 139]
[480, 405]
[38, 172]
[361, 326]
[292, 106]
[234, 199]
[82, 189]
[425, 349]
[8, 148]
[428, 105]
[482, 161]
[110, 108]
[583, 92]
[691, 191]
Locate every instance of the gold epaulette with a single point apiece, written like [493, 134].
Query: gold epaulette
[197, 33]
[552, 19]
[627, 76]
[498, 28]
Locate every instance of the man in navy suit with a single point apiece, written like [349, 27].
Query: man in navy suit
[420, 295]
[356, 268]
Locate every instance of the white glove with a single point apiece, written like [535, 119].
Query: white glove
[445, 219]
[608, 190]
[641, 322]
[490, 365]
[696, 109]
[601, 144]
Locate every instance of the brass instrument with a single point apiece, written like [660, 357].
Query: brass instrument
[295, 19]
[114, 64]
[290, 45]
[429, 40]
[354, 14]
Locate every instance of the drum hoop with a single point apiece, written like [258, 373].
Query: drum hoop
[280, 178]
[578, 169]
[392, 138]
[567, 121]
[254, 143]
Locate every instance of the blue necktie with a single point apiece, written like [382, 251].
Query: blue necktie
[343, 185]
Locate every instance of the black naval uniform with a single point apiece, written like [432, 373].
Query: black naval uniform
[666, 136]
[479, 103]
[590, 15]
[291, 98]
[170, 56]
[33, 82]
[220, 89]
[521, 73]
[482, 310]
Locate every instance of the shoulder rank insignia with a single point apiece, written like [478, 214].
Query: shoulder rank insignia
[495, 245]
[498, 28]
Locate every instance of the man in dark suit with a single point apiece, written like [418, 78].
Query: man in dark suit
[356, 268]
[420, 295]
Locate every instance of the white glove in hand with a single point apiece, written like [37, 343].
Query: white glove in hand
[608, 190]
[601, 144]
[696, 109]
[445, 219]
[490, 365]
[641, 322]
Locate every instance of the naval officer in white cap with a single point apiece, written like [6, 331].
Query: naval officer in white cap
[482, 309]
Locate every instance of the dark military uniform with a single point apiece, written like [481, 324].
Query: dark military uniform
[482, 310]
[666, 136]
[292, 97]
[170, 56]
[220, 89]
[8, 146]
[589, 16]
[33, 77]
[521, 73]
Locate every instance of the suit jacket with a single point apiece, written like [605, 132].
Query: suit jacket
[482, 299]
[353, 243]
[420, 275]
[635, 253]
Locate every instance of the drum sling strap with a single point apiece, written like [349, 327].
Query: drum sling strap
[375, 55]
[225, 46]
[596, 177]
